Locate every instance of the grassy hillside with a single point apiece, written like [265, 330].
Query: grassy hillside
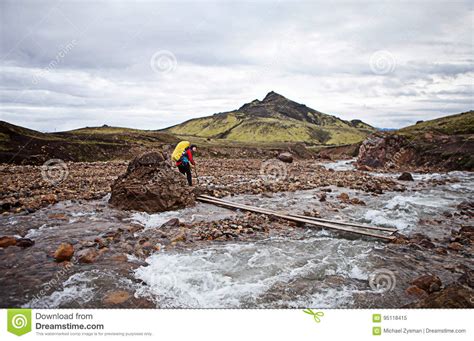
[450, 125]
[22, 145]
[275, 119]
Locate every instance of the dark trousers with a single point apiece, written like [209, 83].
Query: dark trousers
[185, 168]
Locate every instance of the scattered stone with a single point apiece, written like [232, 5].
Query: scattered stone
[428, 283]
[426, 243]
[101, 243]
[285, 157]
[87, 255]
[455, 246]
[405, 176]
[64, 252]
[453, 296]
[116, 297]
[322, 197]
[441, 251]
[343, 197]
[25, 242]
[7, 241]
[59, 216]
[180, 237]
[171, 223]
[49, 199]
[357, 201]
[447, 214]
[416, 291]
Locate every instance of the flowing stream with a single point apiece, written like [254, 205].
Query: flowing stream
[307, 268]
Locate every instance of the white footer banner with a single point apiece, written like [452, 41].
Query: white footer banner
[219, 324]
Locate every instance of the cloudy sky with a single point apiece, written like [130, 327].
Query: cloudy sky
[143, 64]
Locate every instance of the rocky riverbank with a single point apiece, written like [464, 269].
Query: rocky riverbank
[28, 188]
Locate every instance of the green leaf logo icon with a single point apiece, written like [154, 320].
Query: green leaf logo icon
[316, 315]
[19, 321]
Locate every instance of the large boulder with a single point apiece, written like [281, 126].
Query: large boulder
[385, 150]
[151, 184]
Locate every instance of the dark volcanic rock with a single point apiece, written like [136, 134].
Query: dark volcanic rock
[454, 296]
[382, 150]
[285, 157]
[171, 223]
[25, 242]
[405, 176]
[428, 283]
[151, 184]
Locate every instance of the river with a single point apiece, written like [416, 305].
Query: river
[307, 268]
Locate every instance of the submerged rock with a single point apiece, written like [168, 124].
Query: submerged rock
[428, 283]
[152, 185]
[87, 255]
[405, 176]
[455, 246]
[174, 222]
[7, 241]
[116, 297]
[64, 252]
[25, 242]
[413, 290]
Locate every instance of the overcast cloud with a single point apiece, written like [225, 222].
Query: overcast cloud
[69, 64]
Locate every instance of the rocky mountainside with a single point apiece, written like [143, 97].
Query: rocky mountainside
[445, 143]
[275, 119]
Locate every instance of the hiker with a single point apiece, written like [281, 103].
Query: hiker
[183, 156]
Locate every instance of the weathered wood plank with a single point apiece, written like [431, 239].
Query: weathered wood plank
[292, 218]
[388, 229]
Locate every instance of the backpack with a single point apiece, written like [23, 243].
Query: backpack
[179, 150]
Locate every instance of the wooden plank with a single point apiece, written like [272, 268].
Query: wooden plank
[388, 229]
[378, 228]
[301, 220]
